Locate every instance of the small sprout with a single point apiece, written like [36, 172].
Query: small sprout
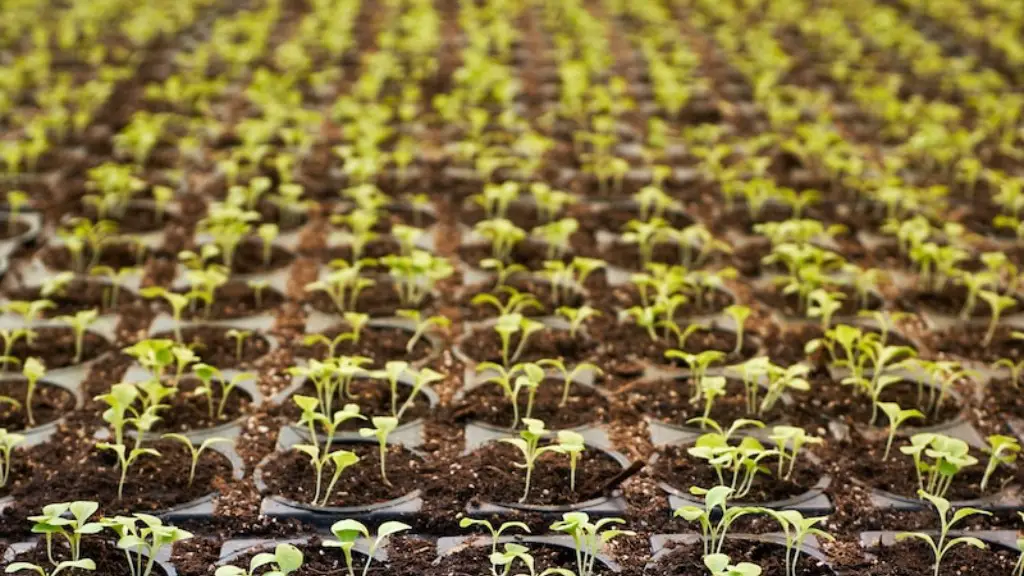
[494, 532]
[715, 517]
[382, 427]
[1001, 450]
[719, 565]
[147, 541]
[83, 564]
[346, 532]
[517, 301]
[502, 270]
[572, 444]
[267, 234]
[423, 325]
[194, 451]
[508, 325]
[577, 316]
[997, 304]
[285, 559]
[950, 455]
[568, 376]
[739, 315]
[54, 520]
[258, 287]
[178, 303]
[240, 337]
[588, 537]
[8, 442]
[79, 323]
[896, 416]
[340, 459]
[125, 459]
[941, 546]
[797, 529]
[789, 440]
[529, 446]
[33, 370]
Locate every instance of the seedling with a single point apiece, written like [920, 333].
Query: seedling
[502, 270]
[258, 287]
[267, 234]
[16, 201]
[343, 285]
[569, 376]
[797, 529]
[33, 370]
[588, 537]
[177, 302]
[423, 325]
[719, 565]
[382, 427]
[714, 531]
[1001, 450]
[30, 312]
[125, 459]
[285, 559]
[240, 337]
[79, 323]
[789, 440]
[311, 417]
[146, 541]
[194, 451]
[997, 304]
[114, 278]
[53, 521]
[576, 317]
[8, 442]
[941, 546]
[949, 455]
[503, 235]
[528, 444]
[897, 416]
[508, 325]
[739, 315]
[346, 532]
[83, 564]
[571, 443]
[494, 532]
[340, 459]
[516, 303]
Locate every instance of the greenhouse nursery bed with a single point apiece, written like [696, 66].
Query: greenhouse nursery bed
[552, 287]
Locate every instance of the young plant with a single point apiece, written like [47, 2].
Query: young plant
[54, 521]
[997, 304]
[8, 442]
[494, 532]
[569, 376]
[194, 451]
[240, 337]
[285, 559]
[715, 517]
[949, 456]
[146, 541]
[423, 325]
[209, 375]
[941, 546]
[340, 459]
[508, 325]
[83, 564]
[79, 323]
[897, 416]
[33, 370]
[588, 537]
[342, 285]
[789, 440]
[739, 315]
[125, 458]
[719, 565]
[528, 444]
[1001, 450]
[382, 427]
[177, 302]
[576, 317]
[796, 529]
[346, 532]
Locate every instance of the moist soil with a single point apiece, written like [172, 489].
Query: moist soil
[233, 300]
[140, 218]
[9, 230]
[249, 258]
[1005, 398]
[101, 549]
[484, 345]
[290, 475]
[912, 558]
[626, 296]
[529, 253]
[49, 402]
[317, 560]
[625, 341]
[373, 397]
[540, 289]
[153, 483]
[668, 400]
[950, 302]
[965, 341]
[215, 347]
[488, 403]
[470, 559]
[523, 214]
[685, 559]
[499, 482]
[789, 304]
[77, 296]
[55, 347]
[380, 344]
[376, 248]
[116, 255]
[897, 475]
[829, 400]
[187, 411]
[378, 301]
[681, 471]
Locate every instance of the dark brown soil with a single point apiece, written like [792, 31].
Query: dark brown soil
[116, 255]
[1005, 398]
[376, 248]
[965, 340]
[484, 345]
[235, 300]
[7, 231]
[529, 253]
[290, 474]
[524, 284]
[77, 296]
[789, 304]
[373, 398]
[523, 214]
[488, 403]
[498, 481]
[685, 560]
[153, 483]
[474, 560]
[49, 402]
[187, 411]
[949, 302]
[626, 296]
[632, 341]
[379, 301]
[317, 559]
[913, 557]
[377, 343]
[248, 258]
[215, 347]
[668, 400]
[55, 347]
[680, 470]
[897, 474]
[831, 400]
